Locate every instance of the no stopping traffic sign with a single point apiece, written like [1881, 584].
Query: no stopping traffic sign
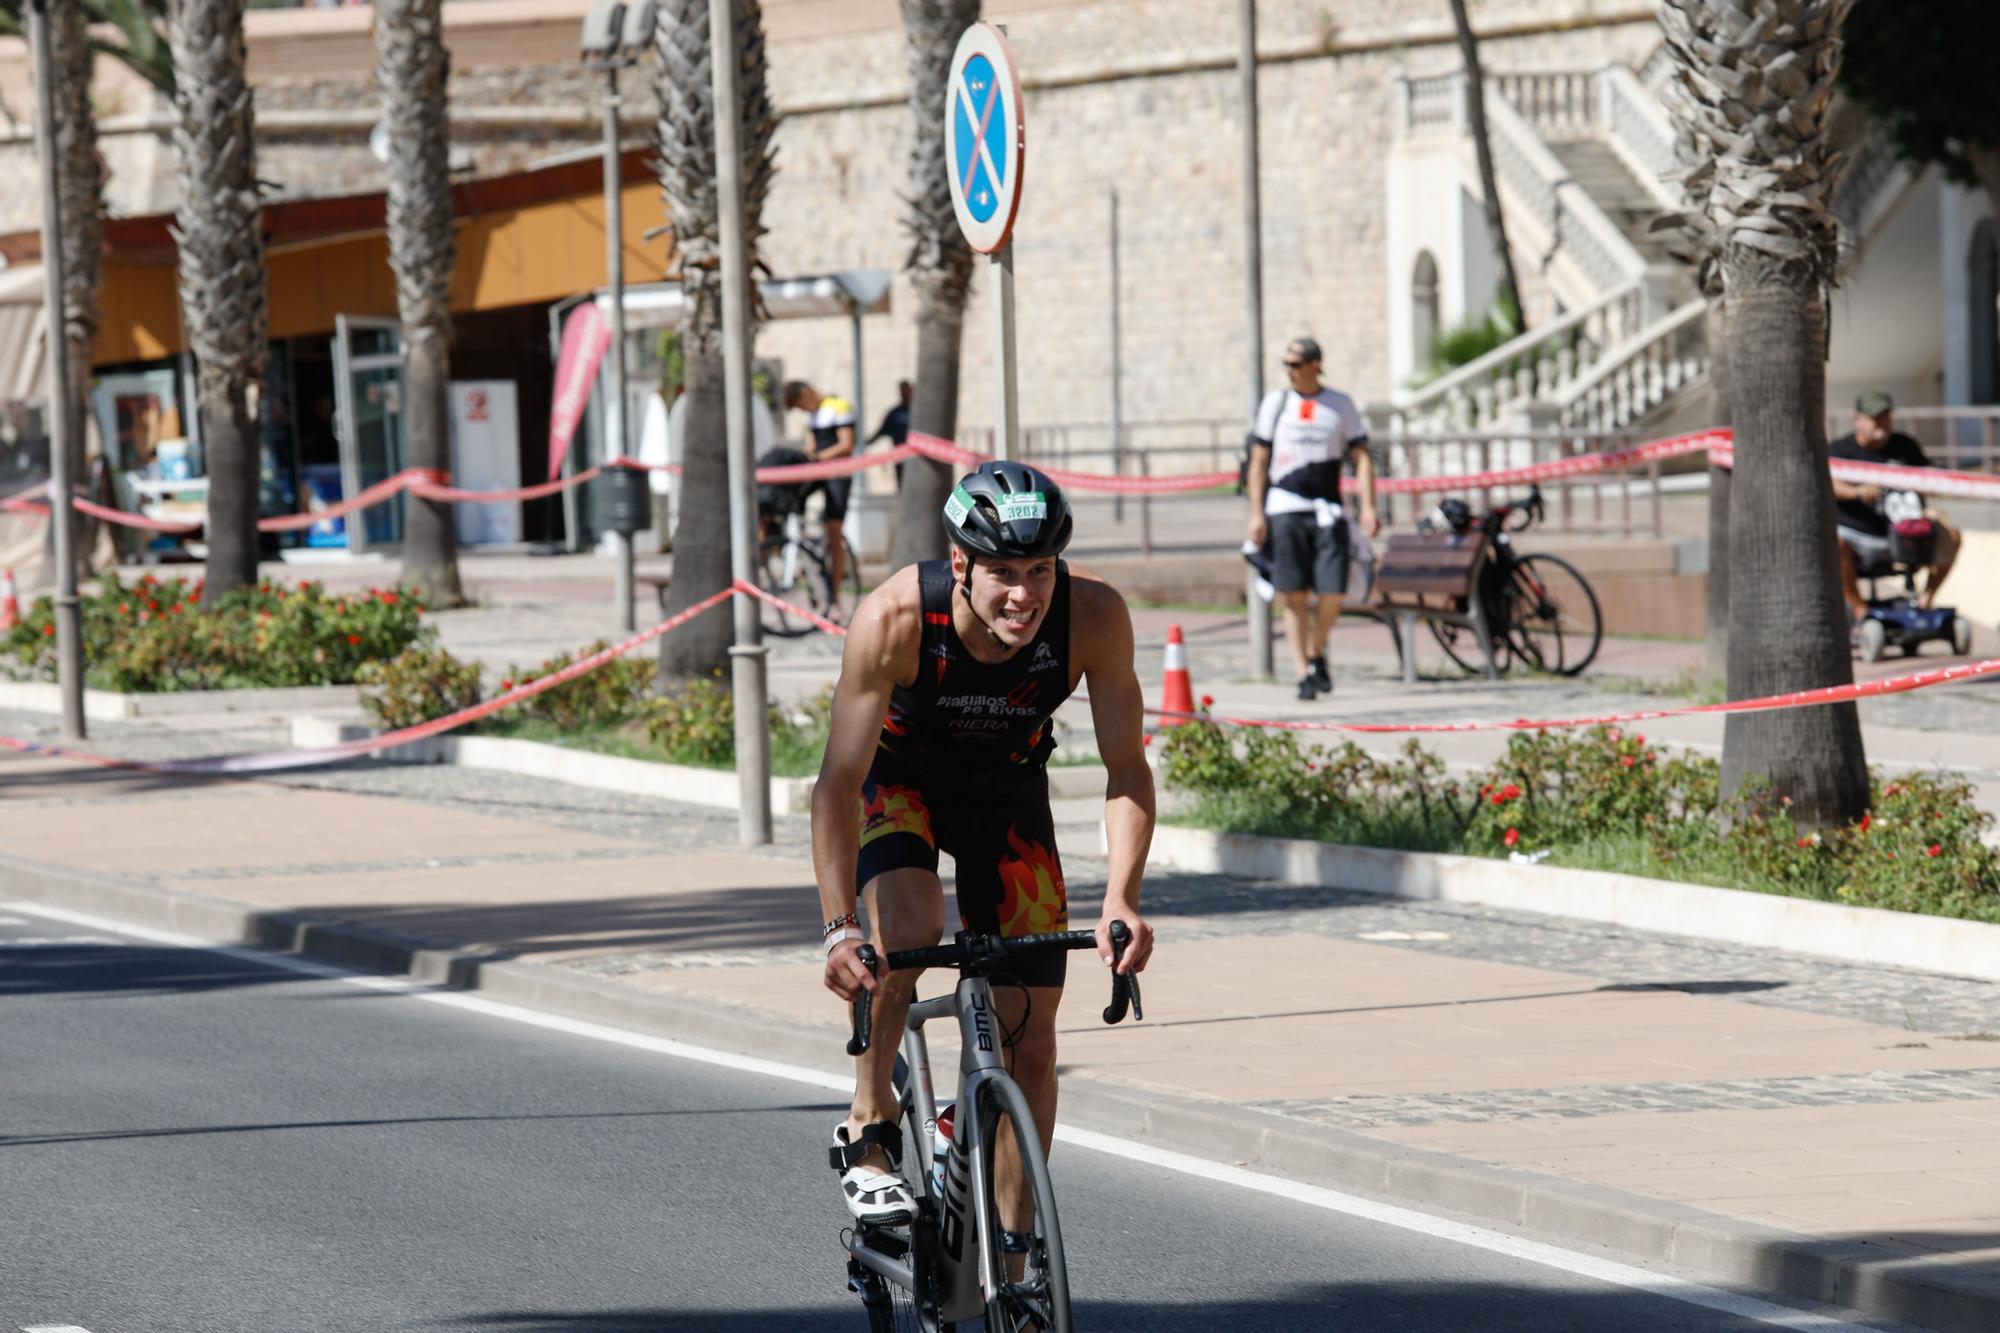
[984, 136]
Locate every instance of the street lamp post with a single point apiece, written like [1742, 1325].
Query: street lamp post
[69, 614]
[614, 36]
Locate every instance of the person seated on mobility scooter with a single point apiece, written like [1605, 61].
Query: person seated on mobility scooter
[1885, 533]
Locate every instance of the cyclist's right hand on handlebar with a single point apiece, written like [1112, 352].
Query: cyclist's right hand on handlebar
[846, 974]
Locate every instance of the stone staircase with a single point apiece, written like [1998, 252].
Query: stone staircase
[1584, 161]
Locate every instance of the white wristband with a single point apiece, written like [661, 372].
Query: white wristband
[849, 934]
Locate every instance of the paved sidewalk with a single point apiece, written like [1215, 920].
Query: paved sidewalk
[1636, 1081]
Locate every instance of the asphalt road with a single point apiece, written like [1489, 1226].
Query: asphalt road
[198, 1141]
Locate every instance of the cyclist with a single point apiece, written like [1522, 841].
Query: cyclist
[939, 742]
[832, 437]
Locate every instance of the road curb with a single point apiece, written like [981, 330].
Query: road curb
[1736, 916]
[1857, 1275]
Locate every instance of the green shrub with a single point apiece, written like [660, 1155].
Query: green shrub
[155, 636]
[420, 683]
[1604, 799]
[614, 693]
[695, 723]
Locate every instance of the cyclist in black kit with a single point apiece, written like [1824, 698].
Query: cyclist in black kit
[940, 738]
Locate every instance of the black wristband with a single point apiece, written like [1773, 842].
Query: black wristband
[840, 923]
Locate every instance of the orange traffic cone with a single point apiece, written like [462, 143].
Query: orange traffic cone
[1177, 694]
[10, 602]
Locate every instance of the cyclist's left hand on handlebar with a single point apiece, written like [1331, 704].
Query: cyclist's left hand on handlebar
[1137, 952]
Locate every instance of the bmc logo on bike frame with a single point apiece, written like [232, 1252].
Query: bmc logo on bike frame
[982, 1024]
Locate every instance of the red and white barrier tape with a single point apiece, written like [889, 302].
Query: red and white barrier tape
[1769, 704]
[227, 765]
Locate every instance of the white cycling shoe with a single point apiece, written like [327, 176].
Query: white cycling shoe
[875, 1198]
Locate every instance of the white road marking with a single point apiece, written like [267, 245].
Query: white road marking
[55, 1328]
[52, 941]
[13, 921]
[1335, 1201]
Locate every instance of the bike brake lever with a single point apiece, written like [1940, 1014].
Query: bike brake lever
[1124, 986]
[864, 1002]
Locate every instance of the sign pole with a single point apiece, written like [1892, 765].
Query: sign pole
[1007, 385]
[1261, 663]
[615, 432]
[753, 736]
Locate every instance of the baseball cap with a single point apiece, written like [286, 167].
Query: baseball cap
[1874, 403]
[1305, 349]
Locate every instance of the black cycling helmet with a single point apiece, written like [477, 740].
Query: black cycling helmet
[1008, 511]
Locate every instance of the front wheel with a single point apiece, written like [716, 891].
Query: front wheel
[1552, 618]
[1033, 1296]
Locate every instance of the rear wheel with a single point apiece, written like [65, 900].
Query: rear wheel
[1874, 640]
[1961, 637]
[1034, 1294]
[1552, 620]
[793, 573]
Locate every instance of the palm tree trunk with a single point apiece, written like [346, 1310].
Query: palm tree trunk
[1788, 625]
[1716, 656]
[933, 411]
[685, 139]
[223, 286]
[79, 180]
[939, 264]
[412, 68]
[1475, 107]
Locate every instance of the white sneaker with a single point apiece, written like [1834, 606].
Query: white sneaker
[876, 1198]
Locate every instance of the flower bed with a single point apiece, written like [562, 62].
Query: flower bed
[1601, 800]
[155, 636]
[611, 710]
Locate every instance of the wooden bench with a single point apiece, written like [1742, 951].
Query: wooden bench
[1430, 578]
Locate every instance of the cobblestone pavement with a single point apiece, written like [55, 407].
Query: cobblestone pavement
[1364, 1111]
[1201, 906]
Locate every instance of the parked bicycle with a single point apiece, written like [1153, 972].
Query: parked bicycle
[1539, 608]
[792, 555]
[955, 1261]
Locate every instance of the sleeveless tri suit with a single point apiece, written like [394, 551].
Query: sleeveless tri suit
[961, 767]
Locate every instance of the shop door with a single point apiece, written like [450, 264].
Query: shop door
[368, 400]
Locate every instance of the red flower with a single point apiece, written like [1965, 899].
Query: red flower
[48, 631]
[507, 685]
[173, 608]
[354, 638]
[1935, 849]
[124, 608]
[1866, 820]
[1513, 836]
[1628, 761]
[389, 599]
[1208, 701]
[1147, 741]
[152, 605]
[264, 588]
[1805, 842]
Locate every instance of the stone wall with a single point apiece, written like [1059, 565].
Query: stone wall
[1137, 95]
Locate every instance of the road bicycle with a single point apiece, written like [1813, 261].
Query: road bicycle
[1541, 610]
[953, 1262]
[791, 566]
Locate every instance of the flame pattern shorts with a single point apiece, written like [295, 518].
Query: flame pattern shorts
[1001, 837]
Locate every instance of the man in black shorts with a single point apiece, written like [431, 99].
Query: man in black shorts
[1297, 443]
[1862, 526]
[940, 741]
[832, 424]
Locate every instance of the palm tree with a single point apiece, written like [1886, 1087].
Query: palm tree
[1482, 143]
[412, 66]
[940, 266]
[1758, 80]
[224, 296]
[1694, 240]
[685, 140]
